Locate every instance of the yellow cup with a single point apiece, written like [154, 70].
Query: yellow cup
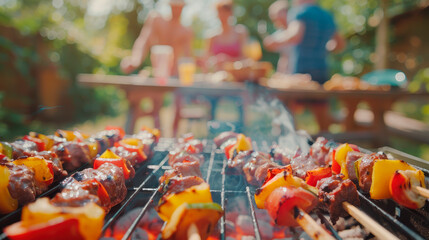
[186, 73]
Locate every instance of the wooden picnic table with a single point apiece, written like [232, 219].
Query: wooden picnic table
[138, 87]
[379, 102]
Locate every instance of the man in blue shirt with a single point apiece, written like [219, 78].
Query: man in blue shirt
[311, 33]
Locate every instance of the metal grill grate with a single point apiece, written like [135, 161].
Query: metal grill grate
[143, 192]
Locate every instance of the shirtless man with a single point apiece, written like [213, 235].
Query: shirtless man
[158, 30]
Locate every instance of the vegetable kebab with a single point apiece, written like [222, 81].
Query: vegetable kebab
[77, 212]
[186, 204]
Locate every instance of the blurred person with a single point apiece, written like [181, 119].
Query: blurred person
[311, 33]
[278, 15]
[158, 30]
[227, 45]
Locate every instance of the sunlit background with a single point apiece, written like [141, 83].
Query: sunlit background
[45, 44]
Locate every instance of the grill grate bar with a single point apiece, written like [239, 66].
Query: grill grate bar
[252, 208]
[133, 226]
[411, 234]
[209, 170]
[133, 195]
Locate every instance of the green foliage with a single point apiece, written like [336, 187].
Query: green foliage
[11, 122]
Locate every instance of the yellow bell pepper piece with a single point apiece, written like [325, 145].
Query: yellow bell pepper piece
[204, 215]
[243, 144]
[49, 142]
[41, 168]
[195, 194]
[7, 202]
[382, 172]
[91, 216]
[282, 179]
[340, 157]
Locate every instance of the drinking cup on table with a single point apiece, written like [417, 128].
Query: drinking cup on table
[162, 62]
[187, 70]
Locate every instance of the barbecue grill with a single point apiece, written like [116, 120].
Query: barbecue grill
[143, 194]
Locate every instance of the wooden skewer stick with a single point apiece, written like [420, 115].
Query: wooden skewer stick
[374, 227]
[422, 191]
[312, 228]
[193, 233]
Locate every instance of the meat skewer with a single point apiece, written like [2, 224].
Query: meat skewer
[85, 198]
[352, 211]
[187, 205]
[283, 203]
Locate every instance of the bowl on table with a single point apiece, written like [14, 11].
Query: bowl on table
[247, 70]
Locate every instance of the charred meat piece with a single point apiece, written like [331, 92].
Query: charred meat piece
[281, 155]
[22, 184]
[223, 137]
[333, 191]
[73, 154]
[130, 157]
[351, 158]
[179, 184]
[301, 163]
[182, 169]
[22, 148]
[111, 177]
[109, 137]
[320, 152]
[78, 194]
[175, 157]
[238, 161]
[258, 159]
[365, 170]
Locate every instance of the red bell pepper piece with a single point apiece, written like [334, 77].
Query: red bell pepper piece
[39, 142]
[229, 150]
[315, 175]
[336, 168]
[133, 145]
[109, 157]
[282, 201]
[120, 130]
[58, 228]
[401, 188]
[191, 149]
[272, 172]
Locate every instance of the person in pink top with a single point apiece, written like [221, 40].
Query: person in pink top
[226, 46]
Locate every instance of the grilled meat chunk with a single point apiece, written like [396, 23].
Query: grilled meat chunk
[333, 191]
[238, 161]
[351, 158]
[179, 184]
[365, 170]
[22, 184]
[182, 169]
[79, 193]
[255, 169]
[111, 177]
[73, 154]
[176, 157]
[319, 151]
[22, 148]
[223, 137]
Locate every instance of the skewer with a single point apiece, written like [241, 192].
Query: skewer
[193, 233]
[312, 228]
[374, 227]
[421, 190]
